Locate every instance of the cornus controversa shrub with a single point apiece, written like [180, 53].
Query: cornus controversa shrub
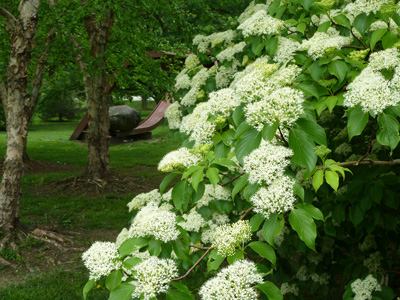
[288, 183]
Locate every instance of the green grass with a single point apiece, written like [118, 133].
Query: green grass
[48, 141]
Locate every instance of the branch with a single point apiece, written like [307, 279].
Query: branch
[232, 180]
[3, 94]
[370, 141]
[78, 54]
[194, 266]
[9, 16]
[370, 162]
[282, 137]
[198, 247]
[245, 213]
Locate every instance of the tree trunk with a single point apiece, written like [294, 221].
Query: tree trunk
[22, 32]
[97, 98]
[144, 103]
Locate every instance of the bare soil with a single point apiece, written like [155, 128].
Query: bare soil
[41, 256]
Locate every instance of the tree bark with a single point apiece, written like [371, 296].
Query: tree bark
[97, 94]
[22, 32]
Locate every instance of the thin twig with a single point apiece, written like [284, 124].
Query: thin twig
[370, 162]
[10, 17]
[246, 212]
[232, 180]
[370, 141]
[198, 247]
[226, 175]
[194, 266]
[282, 137]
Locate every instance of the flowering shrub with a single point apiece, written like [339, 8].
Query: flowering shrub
[288, 173]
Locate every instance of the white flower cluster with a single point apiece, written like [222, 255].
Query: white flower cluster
[383, 25]
[239, 76]
[315, 258]
[302, 274]
[368, 243]
[251, 9]
[321, 42]
[283, 105]
[266, 163]
[229, 53]
[372, 91]
[287, 288]
[278, 240]
[322, 279]
[214, 193]
[285, 76]
[261, 23]
[385, 59]
[363, 289]
[101, 259]
[223, 102]
[276, 198]
[193, 221]
[204, 42]
[227, 237]
[155, 221]
[192, 61]
[207, 234]
[364, 6]
[178, 160]
[153, 276]
[373, 262]
[233, 283]
[182, 80]
[285, 50]
[144, 198]
[225, 75]
[174, 115]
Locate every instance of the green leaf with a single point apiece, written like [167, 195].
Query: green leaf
[272, 228]
[301, 27]
[113, 280]
[307, 4]
[318, 179]
[316, 71]
[238, 255]
[331, 102]
[250, 190]
[180, 286]
[190, 171]
[131, 245]
[212, 175]
[255, 222]
[376, 36]
[324, 26]
[196, 196]
[131, 262]
[237, 116]
[178, 295]
[356, 214]
[338, 68]
[388, 133]
[357, 120]
[122, 292]
[239, 184]
[167, 179]
[270, 289]
[389, 39]
[363, 21]
[298, 190]
[303, 148]
[264, 250]
[342, 20]
[154, 247]
[257, 48]
[181, 249]
[308, 88]
[332, 178]
[314, 130]
[269, 131]
[303, 223]
[271, 45]
[312, 210]
[247, 143]
[241, 129]
[180, 196]
[88, 287]
[197, 177]
[214, 261]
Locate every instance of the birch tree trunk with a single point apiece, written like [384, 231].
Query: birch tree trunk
[22, 31]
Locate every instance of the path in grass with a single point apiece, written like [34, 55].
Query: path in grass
[43, 271]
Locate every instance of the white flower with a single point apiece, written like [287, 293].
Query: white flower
[204, 42]
[368, 244]
[321, 42]
[144, 198]
[364, 6]
[233, 283]
[192, 61]
[373, 262]
[261, 23]
[154, 221]
[101, 259]
[193, 221]
[227, 237]
[225, 75]
[190, 98]
[372, 91]
[223, 102]
[251, 9]
[178, 160]
[287, 288]
[228, 53]
[211, 193]
[302, 274]
[200, 78]
[276, 198]
[153, 277]
[174, 115]
[267, 163]
[182, 80]
[385, 59]
[363, 288]
[285, 50]
[283, 105]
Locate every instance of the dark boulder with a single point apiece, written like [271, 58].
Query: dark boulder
[123, 118]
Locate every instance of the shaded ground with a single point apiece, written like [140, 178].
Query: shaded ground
[36, 255]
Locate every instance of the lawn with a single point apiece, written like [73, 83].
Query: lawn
[42, 271]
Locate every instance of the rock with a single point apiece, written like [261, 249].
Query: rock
[123, 118]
